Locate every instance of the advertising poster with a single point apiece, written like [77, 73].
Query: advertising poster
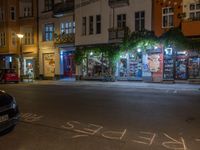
[49, 65]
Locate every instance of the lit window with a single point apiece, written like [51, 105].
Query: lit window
[48, 32]
[167, 17]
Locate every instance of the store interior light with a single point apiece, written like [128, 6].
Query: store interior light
[155, 47]
[139, 50]
[10, 59]
[91, 53]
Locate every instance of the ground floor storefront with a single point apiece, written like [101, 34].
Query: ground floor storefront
[57, 62]
[155, 65]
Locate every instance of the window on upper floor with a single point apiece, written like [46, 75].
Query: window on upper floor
[48, 5]
[167, 17]
[139, 21]
[98, 24]
[14, 39]
[2, 39]
[194, 13]
[12, 13]
[1, 15]
[48, 32]
[91, 25]
[84, 26]
[28, 38]
[68, 27]
[27, 12]
[121, 20]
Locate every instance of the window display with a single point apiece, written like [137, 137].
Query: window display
[135, 66]
[123, 67]
[181, 66]
[168, 70]
[194, 67]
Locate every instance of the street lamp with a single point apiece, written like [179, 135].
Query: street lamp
[20, 36]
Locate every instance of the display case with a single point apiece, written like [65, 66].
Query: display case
[194, 68]
[168, 64]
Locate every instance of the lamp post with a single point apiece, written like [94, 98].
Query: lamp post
[20, 36]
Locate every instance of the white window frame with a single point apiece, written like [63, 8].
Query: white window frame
[140, 19]
[27, 12]
[168, 15]
[14, 39]
[195, 11]
[67, 27]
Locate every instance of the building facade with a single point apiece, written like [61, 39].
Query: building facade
[56, 39]
[107, 22]
[181, 64]
[18, 16]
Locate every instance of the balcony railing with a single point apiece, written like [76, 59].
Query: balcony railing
[191, 27]
[64, 38]
[118, 3]
[62, 8]
[117, 34]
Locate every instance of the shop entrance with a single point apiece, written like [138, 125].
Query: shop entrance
[69, 64]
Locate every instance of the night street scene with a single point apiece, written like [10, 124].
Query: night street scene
[99, 74]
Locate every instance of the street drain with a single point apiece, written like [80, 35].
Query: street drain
[190, 119]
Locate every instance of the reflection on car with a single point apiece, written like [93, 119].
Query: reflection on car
[9, 112]
[8, 75]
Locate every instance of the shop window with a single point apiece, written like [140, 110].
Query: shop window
[91, 25]
[194, 67]
[96, 65]
[194, 13]
[167, 17]
[12, 13]
[84, 26]
[48, 32]
[2, 39]
[121, 20]
[139, 21]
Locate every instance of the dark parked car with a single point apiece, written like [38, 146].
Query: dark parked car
[8, 75]
[9, 113]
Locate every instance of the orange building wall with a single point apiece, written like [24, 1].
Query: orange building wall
[157, 14]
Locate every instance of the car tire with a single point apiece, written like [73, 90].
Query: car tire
[7, 130]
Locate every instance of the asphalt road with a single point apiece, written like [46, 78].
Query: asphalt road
[72, 117]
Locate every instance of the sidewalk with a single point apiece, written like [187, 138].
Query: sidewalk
[122, 84]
